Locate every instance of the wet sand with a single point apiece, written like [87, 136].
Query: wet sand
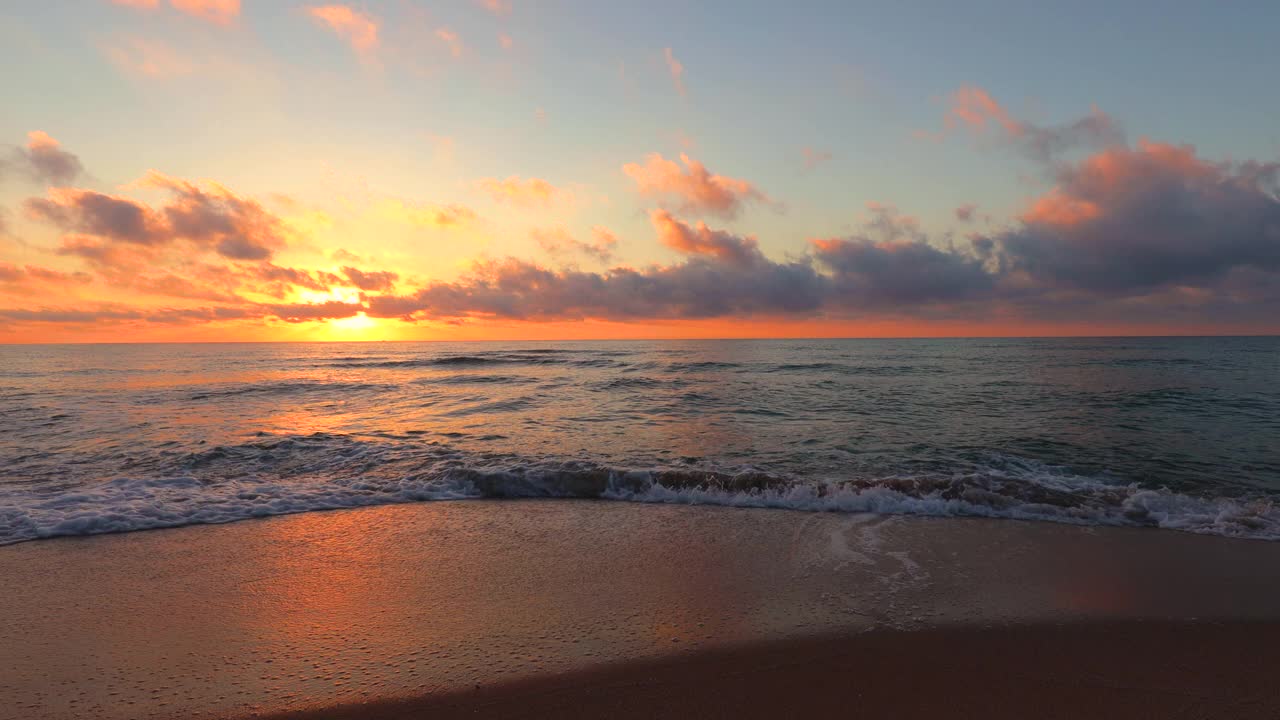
[1107, 670]
[528, 608]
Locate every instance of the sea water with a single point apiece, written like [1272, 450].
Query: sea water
[1177, 433]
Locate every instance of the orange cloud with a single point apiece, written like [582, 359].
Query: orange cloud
[450, 38]
[814, 157]
[702, 240]
[138, 56]
[497, 7]
[20, 280]
[1108, 177]
[975, 108]
[559, 241]
[219, 12]
[1059, 208]
[676, 68]
[357, 28]
[505, 41]
[525, 193]
[427, 215]
[697, 189]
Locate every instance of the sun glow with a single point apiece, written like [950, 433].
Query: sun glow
[356, 327]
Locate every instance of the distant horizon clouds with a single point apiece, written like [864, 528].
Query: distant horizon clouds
[380, 170]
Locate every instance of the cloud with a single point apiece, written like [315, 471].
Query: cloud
[872, 275]
[497, 7]
[450, 39]
[1131, 219]
[116, 314]
[280, 281]
[813, 158]
[100, 215]
[721, 276]
[676, 69]
[559, 242]
[1146, 233]
[307, 312]
[975, 109]
[210, 217]
[524, 193]
[695, 189]
[702, 240]
[30, 278]
[219, 12]
[43, 160]
[1151, 233]
[505, 41]
[428, 215]
[357, 28]
[382, 281]
[697, 288]
[149, 58]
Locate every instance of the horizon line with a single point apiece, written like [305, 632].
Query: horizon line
[646, 339]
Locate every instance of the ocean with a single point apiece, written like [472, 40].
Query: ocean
[1174, 433]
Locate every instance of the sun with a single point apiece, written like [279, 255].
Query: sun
[356, 327]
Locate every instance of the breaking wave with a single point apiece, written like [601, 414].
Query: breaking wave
[303, 474]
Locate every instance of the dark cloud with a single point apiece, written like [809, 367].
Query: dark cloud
[1124, 233]
[381, 281]
[697, 288]
[1149, 234]
[43, 160]
[105, 216]
[880, 275]
[724, 275]
[975, 108]
[1129, 220]
[214, 219]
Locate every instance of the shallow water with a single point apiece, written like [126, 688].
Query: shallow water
[1180, 433]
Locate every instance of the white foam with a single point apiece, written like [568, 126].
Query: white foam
[128, 504]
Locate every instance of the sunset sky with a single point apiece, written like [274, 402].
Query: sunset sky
[510, 169]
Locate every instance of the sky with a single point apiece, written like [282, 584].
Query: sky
[226, 170]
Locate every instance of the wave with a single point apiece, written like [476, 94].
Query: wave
[524, 357]
[291, 387]
[304, 474]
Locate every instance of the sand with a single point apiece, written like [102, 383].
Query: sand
[589, 609]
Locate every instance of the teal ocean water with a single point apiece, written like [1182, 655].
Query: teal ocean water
[1175, 433]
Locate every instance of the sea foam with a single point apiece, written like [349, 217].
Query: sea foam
[127, 504]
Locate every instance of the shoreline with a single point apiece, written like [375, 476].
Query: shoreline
[419, 604]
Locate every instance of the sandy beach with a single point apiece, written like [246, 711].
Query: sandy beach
[587, 609]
